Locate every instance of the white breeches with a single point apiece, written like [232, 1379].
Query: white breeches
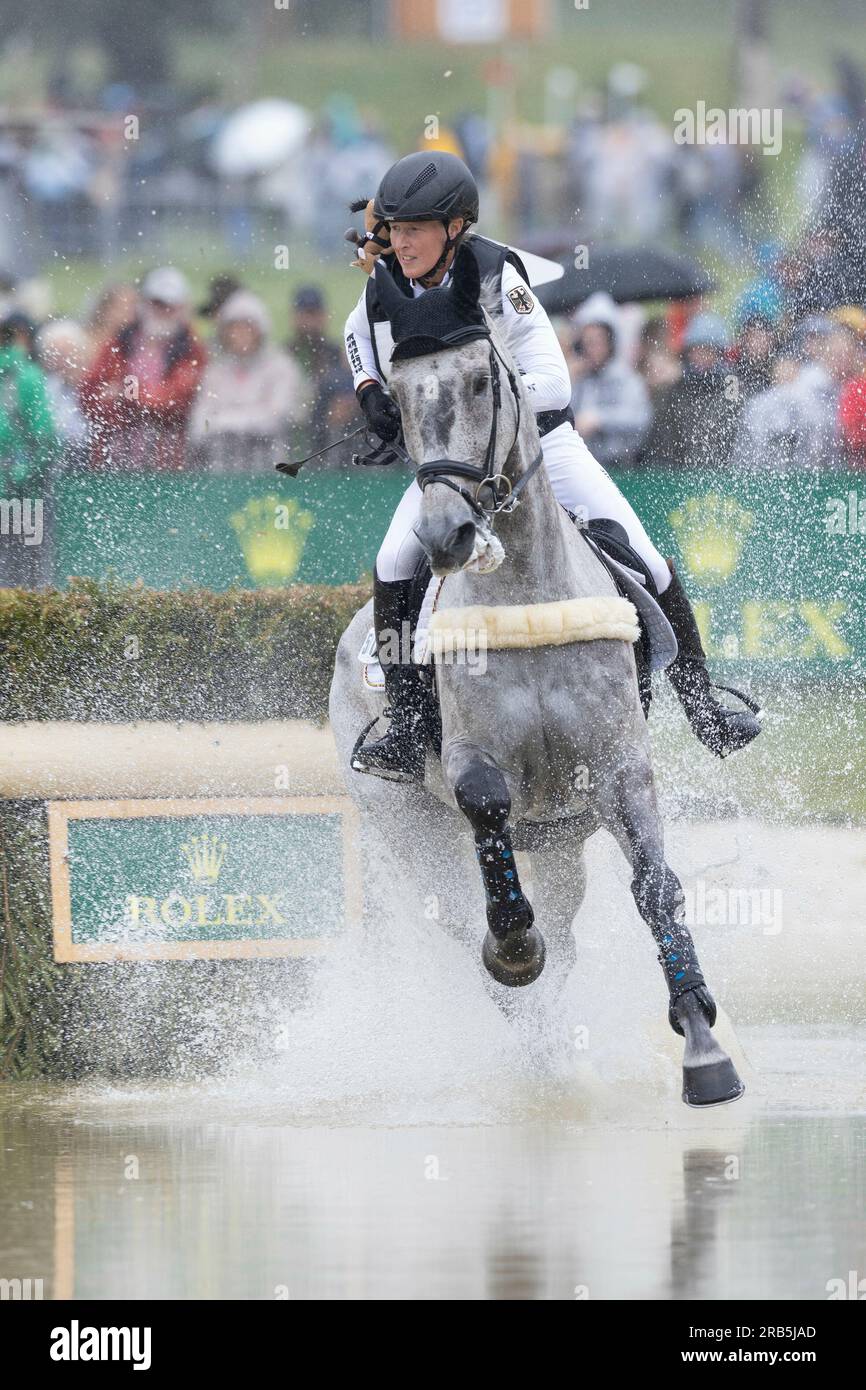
[579, 482]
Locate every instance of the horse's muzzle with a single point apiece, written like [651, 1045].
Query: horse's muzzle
[448, 547]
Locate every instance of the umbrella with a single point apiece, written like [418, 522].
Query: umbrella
[259, 138]
[628, 274]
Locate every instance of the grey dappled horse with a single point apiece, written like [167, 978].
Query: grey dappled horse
[548, 743]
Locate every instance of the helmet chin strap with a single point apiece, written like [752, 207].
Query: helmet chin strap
[451, 244]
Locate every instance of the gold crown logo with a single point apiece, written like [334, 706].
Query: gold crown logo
[205, 855]
[272, 535]
[711, 531]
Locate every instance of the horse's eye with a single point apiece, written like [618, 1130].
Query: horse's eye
[479, 385]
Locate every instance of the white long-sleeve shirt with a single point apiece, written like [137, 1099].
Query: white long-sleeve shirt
[533, 342]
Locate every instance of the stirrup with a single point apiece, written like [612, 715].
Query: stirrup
[731, 730]
[399, 772]
[748, 701]
[739, 717]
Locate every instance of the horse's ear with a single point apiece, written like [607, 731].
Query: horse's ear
[390, 296]
[466, 281]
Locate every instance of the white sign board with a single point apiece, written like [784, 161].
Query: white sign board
[473, 21]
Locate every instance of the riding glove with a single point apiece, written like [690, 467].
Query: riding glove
[383, 414]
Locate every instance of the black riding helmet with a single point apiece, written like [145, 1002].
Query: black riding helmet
[431, 186]
[427, 187]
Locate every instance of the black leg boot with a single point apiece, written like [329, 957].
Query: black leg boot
[399, 754]
[721, 730]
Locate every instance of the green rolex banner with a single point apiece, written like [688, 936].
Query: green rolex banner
[175, 530]
[775, 564]
[232, 878]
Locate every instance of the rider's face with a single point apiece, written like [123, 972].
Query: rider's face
[418, 245]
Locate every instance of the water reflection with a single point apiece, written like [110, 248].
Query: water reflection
[100, 1204]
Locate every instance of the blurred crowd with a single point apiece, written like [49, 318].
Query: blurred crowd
[145, 380]
[628, 178]
[600, 165]
[771, 390]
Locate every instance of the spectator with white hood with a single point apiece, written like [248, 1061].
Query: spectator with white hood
[610, 401]
[253, 394]
[64, 348]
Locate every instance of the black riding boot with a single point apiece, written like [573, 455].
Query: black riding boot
[400, 753]
[721, 730]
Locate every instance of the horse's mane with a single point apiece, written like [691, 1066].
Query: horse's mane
[490, 300]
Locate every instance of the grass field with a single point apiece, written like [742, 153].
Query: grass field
[686, 47]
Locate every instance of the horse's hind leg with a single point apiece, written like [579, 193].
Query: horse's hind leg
[709, 1075]
[513, 950]
[558, 887]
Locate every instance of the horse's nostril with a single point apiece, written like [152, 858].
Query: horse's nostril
[448, 549]
[461, 538]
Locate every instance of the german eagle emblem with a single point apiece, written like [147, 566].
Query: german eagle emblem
[522, 300]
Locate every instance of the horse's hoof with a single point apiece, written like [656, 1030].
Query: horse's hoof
[516, 959]
[717, 1083]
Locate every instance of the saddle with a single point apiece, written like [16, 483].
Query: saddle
[656, 646]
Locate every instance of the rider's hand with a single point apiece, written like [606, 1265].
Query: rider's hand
[375, 242]
[382, 413]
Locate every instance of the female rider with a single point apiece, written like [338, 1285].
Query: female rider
[422, 211]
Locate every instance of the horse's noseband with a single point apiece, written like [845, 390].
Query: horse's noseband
[505, 495]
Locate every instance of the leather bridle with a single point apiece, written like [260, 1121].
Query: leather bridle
[505, 495]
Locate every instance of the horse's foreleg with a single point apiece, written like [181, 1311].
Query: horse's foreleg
[513, 950]
[709, 1075]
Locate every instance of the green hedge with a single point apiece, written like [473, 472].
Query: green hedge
[111, 652]
[202, 656]
[29, 978]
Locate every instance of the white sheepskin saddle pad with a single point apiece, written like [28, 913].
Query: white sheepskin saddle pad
[531, 625]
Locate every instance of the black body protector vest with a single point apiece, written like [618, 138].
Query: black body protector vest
[491, 257]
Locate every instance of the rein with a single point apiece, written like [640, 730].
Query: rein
[505, 496]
